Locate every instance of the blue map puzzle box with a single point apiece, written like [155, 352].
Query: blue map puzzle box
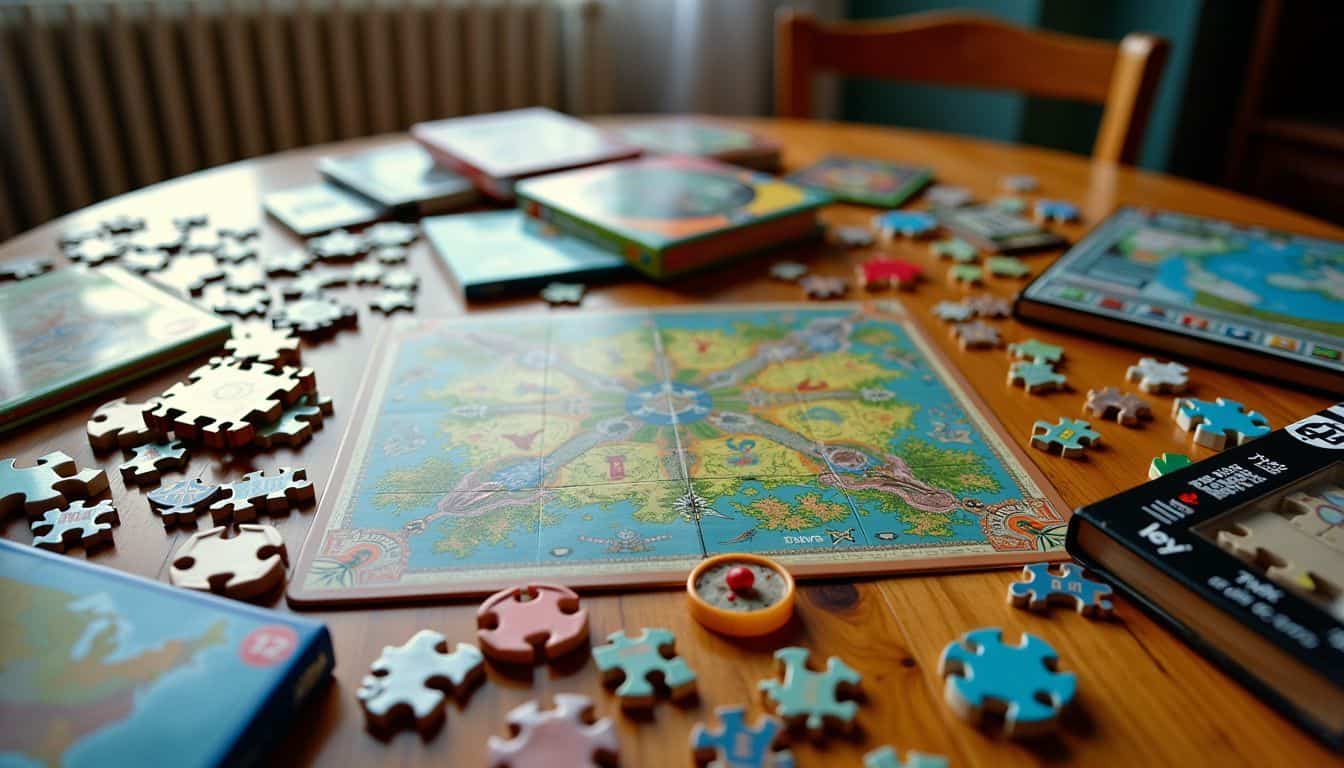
[101, 668]
[497, 252]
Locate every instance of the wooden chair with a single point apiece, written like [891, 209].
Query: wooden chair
[969, 50]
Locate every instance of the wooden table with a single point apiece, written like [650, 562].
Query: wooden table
[1145, 698]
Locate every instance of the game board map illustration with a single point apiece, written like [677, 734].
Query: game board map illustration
[619, 449]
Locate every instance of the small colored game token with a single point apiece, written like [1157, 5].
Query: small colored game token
[965, 275]
[149, 461]
[1036, 351]
[953, 311]
[976, 335]
[1043, 584]
[558, 294]
[876, 274]
[390, 301]
[1166, 464]
[1022, 681]
[946, 196]
[1056, 210]
[1007, 266]
[764, 605]
[813, 699]
[1071, 436]
[1035, 377]
[822, 287]
[527, 624]
[736, 745]
[885, 757]
[23, 269]
[634, 663]
[565, 736]
[851, 237]
[989, 305]
[1217, 423]
[956, 249]
[1019, 183]
[1156, 377]
[245, 566]
[905, 223]
[86, 524]
[409, 683]
[1109, 402]
[787, 271]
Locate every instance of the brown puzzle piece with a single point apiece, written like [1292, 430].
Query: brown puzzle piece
[1290, 556]
[119, 424]
[245, 566]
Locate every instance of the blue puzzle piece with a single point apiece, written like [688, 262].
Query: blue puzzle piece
[885, 757]
[983, 673]
[1056, 210]
[735, 745]
[1217, 422]
[908, 223]
[1069, 585]
[631, 660]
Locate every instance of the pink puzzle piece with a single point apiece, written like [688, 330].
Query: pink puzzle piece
[515, 623]
[565, 736]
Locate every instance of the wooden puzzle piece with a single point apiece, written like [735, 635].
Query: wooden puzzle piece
[223, 401]
[188, 274]
[244, 278]
[1036, 377]
[812, 699]
[787, 271]
[1218, 422]
[201, 240]
[905, 223]
[390, 301]
[84, 523]
[121, 424]
[239, 230]
[536, 622]
[95, 251]
[1072, 436]
[885, 757]
[391, 234]
[288, 263]
[1069, 585]
[410, 682]
[391, 255]
[313, 284]
[149, 461]
[236, 252]
[1007, 266]
[876, 274]
[736, 745]
[1166, 464]
[989, 305]
[1156, 377]
[254, 304]
[1022, 681]
[976, 335]
[123, 223]
[956, 249]
[1288, 555]
[143, 261]
[367, 273]
[850, 237]
[157, 237]
[822, 287]
[53, 481]
[259, 492]
[1319, 513]
[1056, 210]
[296, 423]
[313, 317]
[400, 279]
[78, 233]
[1036, 351]
[953, 311]
[965, 275]
[260, 343]
[179, 503]
[635, 663]
[947, 196]
[23, 269]
[191, 220]
[1108, 402]
[339, 245]
[557, 294]
[565, 736]
[245, 566]
[1019, 183]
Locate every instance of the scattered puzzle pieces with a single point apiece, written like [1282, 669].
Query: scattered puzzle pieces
[339, 245]
[1155, 377]
[1036, 351]
[1019, 183]
[1007, 266]
[947, 196]
[1108, 402]
[224, 400]
[953, 311]
[822, 287]
[410, 682]
[313, 284]
[236, 251]
[1218, 422]
[1022, 681]
[812, 698]
[565, 736]
[787, 271]
[189, 274]
[391, 234]
[253, 304]
[1166, 464]
[149, 461]
[391, 301]
[1035, 377]
[314, 317]
[259, 343]
[288, 263]
[123, 223]
[557, 294]
[244, 278]
[86, 524]
[965, 275]
[53, 481]
[1072, 436]
[885, 757]
[737, 745]
[120, 424]
[1069, 585]
[976, 335]
[257, 492]
[956, 249]
[536, 622]
[296, 423]
[95, 251]
[989, 305]
[634, 663]
[245, 566]
[400, 279]
[179, 503]
[23, 269]
[905, 223]
[1056, 210]
[143, 261]
[876, 274]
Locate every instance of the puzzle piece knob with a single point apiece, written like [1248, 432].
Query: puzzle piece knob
[740, 579]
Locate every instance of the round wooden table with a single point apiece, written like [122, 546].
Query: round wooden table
[1144, 697]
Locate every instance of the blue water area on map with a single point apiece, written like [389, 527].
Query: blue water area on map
[1249, 268]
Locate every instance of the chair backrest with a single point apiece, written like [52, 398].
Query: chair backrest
[975, 51]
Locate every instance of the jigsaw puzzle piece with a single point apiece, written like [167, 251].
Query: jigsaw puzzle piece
[121, 424]
[245, 566]
[1069, 585]
[1166, 464]
[1071, 436]
[813, 699]
[1216, 423]
[53, 481]
[1021, 681]
[568, 735]
[410, 682]
[885, 757]
[224, 400]
[259, 492]
[1156, 377]
[1287, 554]
[1319, 513]
[85, 523]
[1035, 377]
[149, 461]
[736, 745]
[1128, 410]
[296, 423]
[536, 622]
[635, 663]
[180, 502]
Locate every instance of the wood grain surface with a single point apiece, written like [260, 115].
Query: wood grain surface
[1144, 697]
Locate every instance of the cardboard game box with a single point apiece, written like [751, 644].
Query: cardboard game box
[101, 668]
[673, 214]
[403, 178]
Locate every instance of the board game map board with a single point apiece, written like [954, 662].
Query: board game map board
[617, 450]
[1233, 294]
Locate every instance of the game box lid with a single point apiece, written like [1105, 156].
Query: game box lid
[702, 138]
[104, 668]
[403, 177]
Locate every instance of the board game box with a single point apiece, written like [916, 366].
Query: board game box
[497, 252]
[74, 332]
[1271, 303]
[702, 138]
[402, 178]
[864, 180]
[616, 450]
[101, 668]
[496, 150]
[1242, 554]
[670, 215]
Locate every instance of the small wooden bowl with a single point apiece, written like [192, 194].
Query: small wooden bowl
[741, 623]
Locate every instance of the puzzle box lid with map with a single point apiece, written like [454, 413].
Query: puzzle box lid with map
[498, 149]
[402, 177]
[102, 668]
[1242, 554]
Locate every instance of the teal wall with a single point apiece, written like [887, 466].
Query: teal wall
[1207, 54]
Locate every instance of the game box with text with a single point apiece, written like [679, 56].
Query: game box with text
[1242, 554]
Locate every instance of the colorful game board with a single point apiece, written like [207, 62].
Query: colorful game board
[619, 449]
[1243, 296]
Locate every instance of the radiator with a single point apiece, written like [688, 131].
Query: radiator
[98, 97]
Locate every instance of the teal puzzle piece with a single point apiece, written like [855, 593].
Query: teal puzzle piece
[812, 697]
[1218, 422]
[632, 660]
